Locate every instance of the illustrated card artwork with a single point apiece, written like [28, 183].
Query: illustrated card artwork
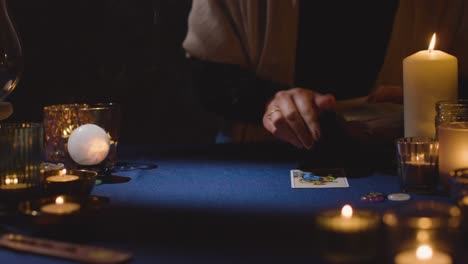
[319, 178]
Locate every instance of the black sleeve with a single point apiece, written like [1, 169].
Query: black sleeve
[230, 91]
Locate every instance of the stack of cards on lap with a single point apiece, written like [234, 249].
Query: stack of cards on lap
[319, 178]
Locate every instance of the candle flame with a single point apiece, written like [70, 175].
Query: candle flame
[347, 211]
[11, 180]
[432, 44]
[464, 201]
[59, 200]
[424, 252]
[64, 171]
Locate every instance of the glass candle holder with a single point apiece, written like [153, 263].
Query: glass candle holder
[448, 111]
[417, 164]
[453, 150]
[348, 235]
[60, 121]
[69, 182]
[422, 232]
[21, 153]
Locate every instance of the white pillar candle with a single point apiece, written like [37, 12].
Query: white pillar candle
[60, 207]
[88, 144]
[428, 76]
[453, 149]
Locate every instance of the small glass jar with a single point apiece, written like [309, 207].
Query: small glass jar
[448, 111]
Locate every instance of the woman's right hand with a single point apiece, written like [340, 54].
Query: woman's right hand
[292, 116]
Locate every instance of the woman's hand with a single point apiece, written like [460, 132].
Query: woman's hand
[292, 115]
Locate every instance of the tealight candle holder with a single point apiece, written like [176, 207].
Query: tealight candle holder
[348, 235]
[90, 132]
[61, 210]
[422, 232]
[21, 151]
[417, 164]
[69, 182]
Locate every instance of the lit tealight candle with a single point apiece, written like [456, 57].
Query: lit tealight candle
[338, 231]
[428, 76]
[60, 207]
[89, 144]
[424, 254]
[11, 182]
[62, 177]
[348, 222]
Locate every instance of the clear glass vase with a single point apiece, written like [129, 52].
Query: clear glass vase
[11, 56]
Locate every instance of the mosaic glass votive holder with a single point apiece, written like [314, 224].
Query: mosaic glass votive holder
[61, 120]
[422, 231]
[417, 164]
[348, 235]
[21, 153]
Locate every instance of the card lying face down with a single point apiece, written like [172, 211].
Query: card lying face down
[319, 178]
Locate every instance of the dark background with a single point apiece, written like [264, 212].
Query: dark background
[121, 51]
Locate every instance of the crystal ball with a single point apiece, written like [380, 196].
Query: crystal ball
[88, 144]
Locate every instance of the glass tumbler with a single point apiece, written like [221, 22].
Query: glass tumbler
[21, 154]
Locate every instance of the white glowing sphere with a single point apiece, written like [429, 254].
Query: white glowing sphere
[88, 144]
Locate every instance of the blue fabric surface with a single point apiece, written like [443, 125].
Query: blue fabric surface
[213, 208]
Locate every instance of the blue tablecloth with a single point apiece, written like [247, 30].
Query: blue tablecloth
[213, 204]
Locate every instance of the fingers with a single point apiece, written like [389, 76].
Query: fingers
[274, 122]
[325, 101]
[309, 113]
[292, 116]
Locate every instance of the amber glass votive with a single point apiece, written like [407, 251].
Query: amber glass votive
[347, 235]
[417, 164]
[423, 232]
